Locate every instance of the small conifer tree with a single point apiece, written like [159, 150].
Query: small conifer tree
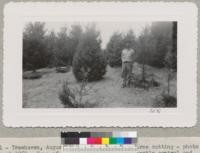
[89, 62]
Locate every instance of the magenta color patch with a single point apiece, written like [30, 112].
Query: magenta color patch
[90, 140]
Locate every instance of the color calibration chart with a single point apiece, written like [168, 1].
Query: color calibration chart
[99, 141]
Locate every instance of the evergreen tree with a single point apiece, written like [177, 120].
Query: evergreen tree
[114, 49]
[144, 43]
[51, 40]
[62, 48]
[162, 35]
[174, 45]
[35, 54]
[131, 39]
[89, 63]
[74, 36]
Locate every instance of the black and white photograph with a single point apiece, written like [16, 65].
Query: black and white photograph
[100, 64]
[91, 65]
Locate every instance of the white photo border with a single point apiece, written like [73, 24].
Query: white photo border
[185, 115]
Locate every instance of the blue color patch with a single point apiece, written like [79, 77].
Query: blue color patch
[127, 140]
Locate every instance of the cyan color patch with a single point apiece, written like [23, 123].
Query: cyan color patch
[120, 140]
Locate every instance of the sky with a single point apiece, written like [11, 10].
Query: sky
[106, 28]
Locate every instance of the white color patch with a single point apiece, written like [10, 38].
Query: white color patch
[83, 141]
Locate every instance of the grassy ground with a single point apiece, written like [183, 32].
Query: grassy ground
[43, 92]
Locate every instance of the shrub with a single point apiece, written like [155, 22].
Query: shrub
[32, 75]
[89, 61]
[66, 96]
[165, 100]
[138, 82]
[169, 100]
[74, 98]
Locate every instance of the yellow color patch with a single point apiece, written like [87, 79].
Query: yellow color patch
[105, 140]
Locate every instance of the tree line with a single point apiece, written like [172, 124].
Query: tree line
[81, 47]
[42, 48]
[152, 46]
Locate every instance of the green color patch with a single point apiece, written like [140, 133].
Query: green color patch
[113, 141]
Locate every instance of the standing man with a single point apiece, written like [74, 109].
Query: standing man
[127, 57]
